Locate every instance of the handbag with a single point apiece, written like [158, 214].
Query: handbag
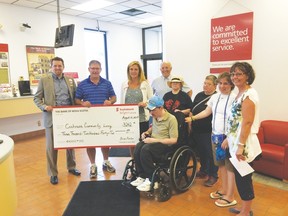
[217, 139]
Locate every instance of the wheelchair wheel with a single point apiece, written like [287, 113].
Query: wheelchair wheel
[183, 168]
[165, 193]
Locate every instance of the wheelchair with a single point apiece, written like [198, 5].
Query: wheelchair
[175, 172]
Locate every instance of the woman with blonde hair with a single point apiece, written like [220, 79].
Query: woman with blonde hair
[137, 90]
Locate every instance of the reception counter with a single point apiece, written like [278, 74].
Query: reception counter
[17, 106]
[8, 195]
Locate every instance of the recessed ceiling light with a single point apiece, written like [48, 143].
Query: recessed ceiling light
[149, 20]
[92, 5]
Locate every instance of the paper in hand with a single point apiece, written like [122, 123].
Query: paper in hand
[241, 166]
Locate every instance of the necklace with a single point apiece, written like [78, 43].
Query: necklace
[214, 114]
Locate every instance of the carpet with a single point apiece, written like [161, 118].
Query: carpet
[103, 198]
[119, 152]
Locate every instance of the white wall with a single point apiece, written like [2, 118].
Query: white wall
[124, 46]
[186, 33]
[186, 30]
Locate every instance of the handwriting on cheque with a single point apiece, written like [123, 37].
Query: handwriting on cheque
[96, 125]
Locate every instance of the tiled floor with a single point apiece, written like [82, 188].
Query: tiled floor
[277, 183]
[36, 196]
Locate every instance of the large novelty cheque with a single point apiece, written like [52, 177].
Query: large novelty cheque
[96, 126]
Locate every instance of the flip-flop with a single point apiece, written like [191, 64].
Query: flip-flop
[226, 204]
[236, 211]
[218, 195]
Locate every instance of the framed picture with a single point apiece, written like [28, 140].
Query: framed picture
[38, 58]
[4, 65]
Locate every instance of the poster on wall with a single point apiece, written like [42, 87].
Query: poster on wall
[231, 40]
[4, 65]
[38, 58]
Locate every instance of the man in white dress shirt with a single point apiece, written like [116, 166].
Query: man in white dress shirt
[159, 85]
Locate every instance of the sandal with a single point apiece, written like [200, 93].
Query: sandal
[236, 211]
[216, 195]
[226, 203]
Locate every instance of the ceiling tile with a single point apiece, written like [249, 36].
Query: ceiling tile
[102, 12]
[149, 8]
[71, 12]
[117, 8]
[152, 1]
[134, 4]
[49, 8]
[89, 16]
[29, 4]
[7, 1]
[158, 12]
[120, 22]
[118, 16]
[64, 3]
[107, 14]
[43, 1]
[119, 1]
[105, 19]
[78, 1]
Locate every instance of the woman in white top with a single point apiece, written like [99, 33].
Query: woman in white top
[242, 128]
[219, 105]
[137, 90]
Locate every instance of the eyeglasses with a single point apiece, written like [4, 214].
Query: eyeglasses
[237, 74]
[94, 68]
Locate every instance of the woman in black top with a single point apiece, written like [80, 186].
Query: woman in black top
[201, 132]
[177, 100]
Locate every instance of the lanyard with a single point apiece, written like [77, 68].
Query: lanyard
[224, 110]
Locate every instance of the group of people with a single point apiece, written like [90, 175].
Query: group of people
[55, 89]
[223, 124]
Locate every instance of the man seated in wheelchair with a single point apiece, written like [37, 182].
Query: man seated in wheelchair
[156, 142]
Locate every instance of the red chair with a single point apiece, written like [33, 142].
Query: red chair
[273, 138]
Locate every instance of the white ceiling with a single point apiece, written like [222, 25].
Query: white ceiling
[108, 14]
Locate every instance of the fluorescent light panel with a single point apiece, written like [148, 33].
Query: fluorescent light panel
[92, 5]
[149, 20]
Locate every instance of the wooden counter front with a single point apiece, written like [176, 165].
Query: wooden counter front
[11, 107]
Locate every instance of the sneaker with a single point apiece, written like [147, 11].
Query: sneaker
[137, 182]
[146, 185]
[129, 175]
[210, 182]
[108, 167]
[93, 171]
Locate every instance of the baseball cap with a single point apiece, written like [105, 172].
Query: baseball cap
[155, 102]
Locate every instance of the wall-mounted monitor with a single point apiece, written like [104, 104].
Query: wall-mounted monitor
[64, 37]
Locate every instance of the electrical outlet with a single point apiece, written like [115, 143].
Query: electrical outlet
[39, 123]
